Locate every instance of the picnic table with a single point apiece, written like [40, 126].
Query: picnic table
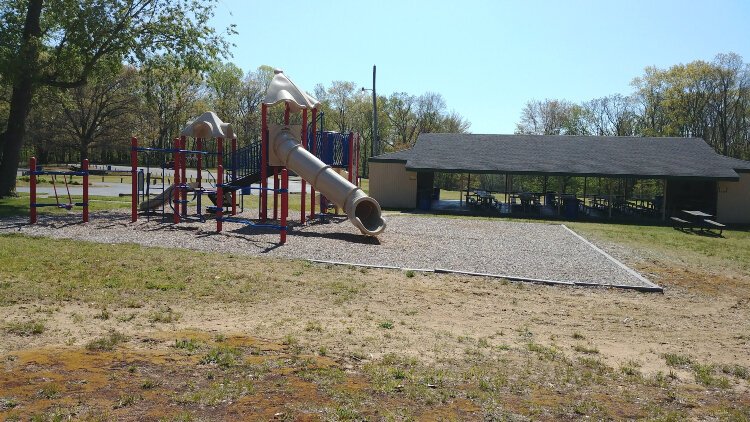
[480, 197]
[699, 219]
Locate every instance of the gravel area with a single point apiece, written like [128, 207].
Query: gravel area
[538, 251]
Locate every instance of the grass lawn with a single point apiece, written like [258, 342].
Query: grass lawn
[119, 331]
[20, 204]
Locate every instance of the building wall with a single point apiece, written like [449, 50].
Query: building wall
[733, 202]
[392, 186]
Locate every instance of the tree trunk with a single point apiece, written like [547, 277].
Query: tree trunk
[84, 148]
[20, 103]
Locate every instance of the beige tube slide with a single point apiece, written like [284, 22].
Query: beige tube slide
[363, 211]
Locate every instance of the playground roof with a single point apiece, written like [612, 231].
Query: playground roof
[605, 156]
[208, 125]
[282, 89]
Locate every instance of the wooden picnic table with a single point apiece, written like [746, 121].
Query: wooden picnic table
[699, 219]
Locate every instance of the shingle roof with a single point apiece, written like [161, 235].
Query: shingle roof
[567, 155]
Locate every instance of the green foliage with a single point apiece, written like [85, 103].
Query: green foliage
[108, 342]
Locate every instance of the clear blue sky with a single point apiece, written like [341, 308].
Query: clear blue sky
[487, 58]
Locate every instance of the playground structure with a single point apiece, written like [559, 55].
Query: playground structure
[35, 171]
[318, 160]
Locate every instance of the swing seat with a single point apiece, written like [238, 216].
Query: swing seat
[66, 206]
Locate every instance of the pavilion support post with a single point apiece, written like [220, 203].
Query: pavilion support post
[609, 195]
[559, 196]
[507, 196]
[544, 191]
[585, 181]
[468, 188]
[460, 194]
[664, 201]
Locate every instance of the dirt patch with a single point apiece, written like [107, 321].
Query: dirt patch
[161, 381]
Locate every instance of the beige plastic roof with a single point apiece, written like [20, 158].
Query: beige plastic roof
[282, 89]
[208, 125]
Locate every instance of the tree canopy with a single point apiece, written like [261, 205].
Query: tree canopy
[63, 44]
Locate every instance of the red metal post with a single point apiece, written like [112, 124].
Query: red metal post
[183, 176]
[284, 202]
[85, 168]
[32, 190]
[199, 162]
[220, 162]
[314, 150]
[356, 163]
[134, 180]
[234, 175]
[303, 183]
[219, 197]
[262, 212]
[350, 164]
[175, 189]
[275, 193]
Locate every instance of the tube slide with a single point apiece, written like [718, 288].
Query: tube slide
[161, 199]
[363, 211]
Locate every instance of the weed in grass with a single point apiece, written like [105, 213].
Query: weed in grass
[704, 374]
[127, 317]
[165, 285]
[26, 328]
[343, 290]
[675, 360]
[77, 318]
[544, 352]
[483, 343]
[164, 315]
[322, 351]
[589, 350]
[503, 347]
[150, 383]
[126, 400]
[7, 403]
[585, 407]
[49, 391]
[631, 369]
[103, 315]
[133, 304]
[737, 371]
[189, 345]
[217, 393]
[578, 336]
[524, 332]
[221, 356]
[108, 342]
[409, 273]
[220, 338]
[388, 325]
[314, 326]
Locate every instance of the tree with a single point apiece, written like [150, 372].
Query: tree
[63, 44]
[400, 108]
[254, 88]
[341, 96]
[225, 86]
[91, 112]
[172, 95]
[548, 117]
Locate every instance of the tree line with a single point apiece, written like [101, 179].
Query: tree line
[96, 120]
[709, 100]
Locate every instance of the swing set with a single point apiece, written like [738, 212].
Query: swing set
[34, 171]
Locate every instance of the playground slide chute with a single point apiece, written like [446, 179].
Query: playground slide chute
[363, 211]
[163, 198]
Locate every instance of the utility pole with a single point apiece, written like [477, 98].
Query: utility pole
[375, 140]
